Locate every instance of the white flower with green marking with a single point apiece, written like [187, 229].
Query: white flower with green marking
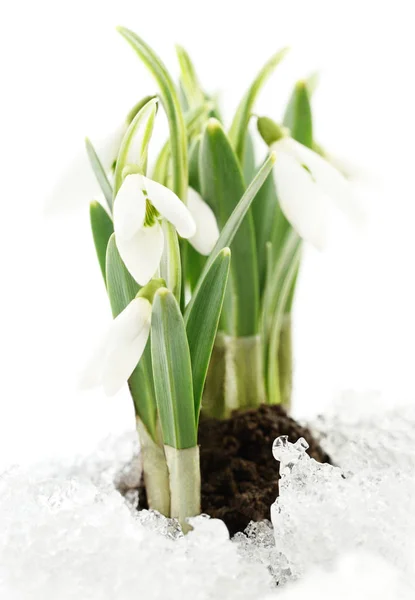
[140, 205]
[121, 348]
[307, 187]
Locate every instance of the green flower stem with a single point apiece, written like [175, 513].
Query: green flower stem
[156, 474]
[244, 380]
[285, 362]
[184, 471]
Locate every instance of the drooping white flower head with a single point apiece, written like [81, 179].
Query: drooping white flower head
[307, 187]
[138, 208]
[207, 231]
[120, 350]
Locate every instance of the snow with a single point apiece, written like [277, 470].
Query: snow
[339, 531]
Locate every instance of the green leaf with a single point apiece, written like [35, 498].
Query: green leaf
[203, 319]
[140, 129]
[233, 223]
[172, 372]
[222, 187]
[99, 172]
[276, 277]
[249, 165]
[102, 229]
[137, 107]
[286, 283]
[298, 117]
[188, 78]
[122, 289]
[171, 103]
[194, 120]
[237, 133]
[264, 211]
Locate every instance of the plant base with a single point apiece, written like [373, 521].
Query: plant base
[239, 473]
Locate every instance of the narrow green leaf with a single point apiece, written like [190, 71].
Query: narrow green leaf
[279, 270]
[249, 164]
[194, 120]
[172, 372]
[203, 319]
[137, 107]
[222, 187]
[189, 80]
[240, 122]
[264, 211]
[171, 103]
[102, 229]
[273, 378]
[233, 223]
[99, 172]
[134, 146]
[122, 289]
[298, 117]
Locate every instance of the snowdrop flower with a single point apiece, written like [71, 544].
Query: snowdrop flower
[307, 187]
[121, 348]
[138, 208]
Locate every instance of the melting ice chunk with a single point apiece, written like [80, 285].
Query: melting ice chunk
[288, 454]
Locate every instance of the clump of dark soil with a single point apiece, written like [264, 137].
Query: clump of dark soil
[239, 473]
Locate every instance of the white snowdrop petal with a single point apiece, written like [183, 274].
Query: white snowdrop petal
[301, 201]
[328, 178]
[171, 207]
[123, 360]
[129, 207]
[142, 253]
[207, 231]
[128, 324]
[108, 147]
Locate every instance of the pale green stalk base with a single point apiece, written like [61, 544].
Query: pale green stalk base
[236, 376]
[244, 382]
[285, 363]
[184, 470]
[156, 474]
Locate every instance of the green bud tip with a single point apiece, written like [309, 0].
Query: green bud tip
[151, 288]
[226, 252]
[270, 131]
[213, 125]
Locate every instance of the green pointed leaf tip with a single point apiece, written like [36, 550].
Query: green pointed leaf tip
[237, 132]
[203, 319]
[298, 116]
[191, 86]
[102, 229]
[270, 131]
[132, 156]
[172, 372]
[99, 173]
[232, 225]
[222, 187]
[171, 103]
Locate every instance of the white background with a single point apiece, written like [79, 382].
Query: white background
[67, 73]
